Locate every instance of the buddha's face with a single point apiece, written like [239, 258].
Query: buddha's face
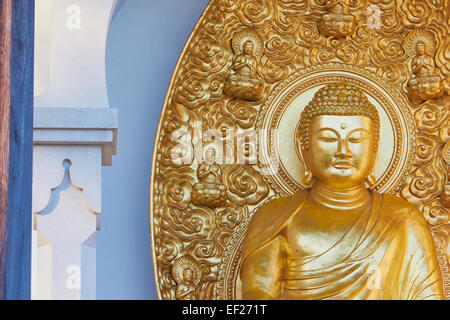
[188, 274]
[341, 150]
[210, 156]
[248, 47]
[420, 48]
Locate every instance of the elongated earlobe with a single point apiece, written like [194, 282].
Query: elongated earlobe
[371, 180]
[307, 178]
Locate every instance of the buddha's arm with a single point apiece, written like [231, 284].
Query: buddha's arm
[239, 63]
[421, 271]
[416, 65]
[261, 272]
[182, 291]
[429, 62]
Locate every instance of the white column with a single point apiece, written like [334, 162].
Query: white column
[75, 133]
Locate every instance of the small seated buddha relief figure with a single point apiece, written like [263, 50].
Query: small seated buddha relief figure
[244, 83]
[338, 21]
[187, 274]
[209, 191]
[426, 83]
[326, 241]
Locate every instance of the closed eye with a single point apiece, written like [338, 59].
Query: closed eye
[358, 136]
[328, 139]
[327, 135]
[356, 139]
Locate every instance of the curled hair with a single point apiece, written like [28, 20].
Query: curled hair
[340, 99]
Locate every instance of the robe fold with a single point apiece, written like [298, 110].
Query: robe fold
[386, 253]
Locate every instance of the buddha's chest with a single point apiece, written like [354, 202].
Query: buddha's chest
[314, 233]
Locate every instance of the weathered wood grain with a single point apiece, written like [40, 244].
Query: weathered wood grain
[5, 54]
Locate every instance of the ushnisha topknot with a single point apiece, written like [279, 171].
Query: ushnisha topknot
[339, 99]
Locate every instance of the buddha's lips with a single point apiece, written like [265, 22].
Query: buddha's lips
[342, 164]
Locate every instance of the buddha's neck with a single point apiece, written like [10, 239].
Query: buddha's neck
[340, 199]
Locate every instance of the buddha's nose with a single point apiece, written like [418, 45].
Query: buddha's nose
[343, 151]
[343, 155]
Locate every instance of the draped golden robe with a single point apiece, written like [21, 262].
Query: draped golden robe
[387, 252]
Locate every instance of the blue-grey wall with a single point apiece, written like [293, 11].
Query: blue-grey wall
[144, 42]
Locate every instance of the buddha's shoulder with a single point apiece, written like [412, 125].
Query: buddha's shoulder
[278, 210]
[394, 206]
[284, 202]
[394, 202]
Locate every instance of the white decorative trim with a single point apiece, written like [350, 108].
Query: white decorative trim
[74, 135]
[77, 126]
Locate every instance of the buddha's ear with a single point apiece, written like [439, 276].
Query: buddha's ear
[371, 180]
[307, 177]
[376, 141]
[298, 145]
[301, 152]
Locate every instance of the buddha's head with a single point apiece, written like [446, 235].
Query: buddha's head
[338, 135]
[420, 48]
[188, 274]
[248, 47]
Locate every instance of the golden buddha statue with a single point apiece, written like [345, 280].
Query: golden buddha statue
[327, 241]
[209, 191]
[423, 64]
[426, 83]
[245, 63]
[338, 21]
[244, 83]
[187, 274]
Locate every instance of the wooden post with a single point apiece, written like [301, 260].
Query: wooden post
[16, 134]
